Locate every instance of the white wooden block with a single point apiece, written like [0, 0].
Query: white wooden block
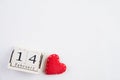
[25, 60]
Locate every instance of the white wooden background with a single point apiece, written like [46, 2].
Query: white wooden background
[85, 34]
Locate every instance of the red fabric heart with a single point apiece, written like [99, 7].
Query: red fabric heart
[53, 66]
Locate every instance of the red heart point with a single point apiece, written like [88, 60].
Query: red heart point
[53, 65]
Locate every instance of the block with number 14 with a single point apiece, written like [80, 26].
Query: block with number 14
[25, 60]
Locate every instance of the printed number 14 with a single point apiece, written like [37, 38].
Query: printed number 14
[33, 58]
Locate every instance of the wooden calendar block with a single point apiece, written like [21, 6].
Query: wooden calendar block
[25, 60]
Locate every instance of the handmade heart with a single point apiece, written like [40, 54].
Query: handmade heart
[53, 65]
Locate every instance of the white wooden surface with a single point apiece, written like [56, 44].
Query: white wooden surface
[85, 34]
